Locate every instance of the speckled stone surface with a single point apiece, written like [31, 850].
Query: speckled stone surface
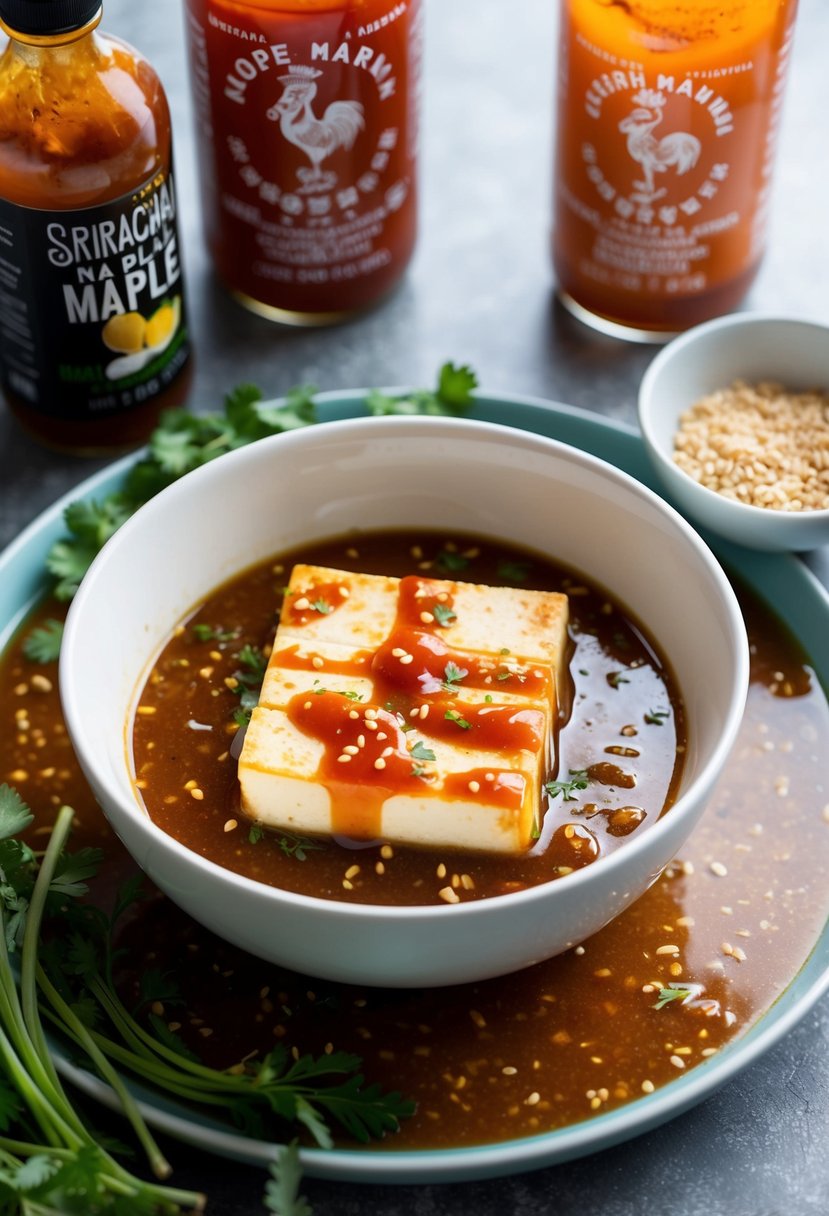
[480, 290]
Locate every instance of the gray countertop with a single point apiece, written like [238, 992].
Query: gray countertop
[480, 291]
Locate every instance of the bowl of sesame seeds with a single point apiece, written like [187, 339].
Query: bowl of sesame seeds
[735, 418]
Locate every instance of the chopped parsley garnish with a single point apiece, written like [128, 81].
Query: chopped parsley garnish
[352, 696]
[444, 615]
[674, 992]
[322, 607]
[504, 675]
[418, 770]
[293, 845]
[513, 572]
[449, 561]
[567, 789]
[657, 717]
[203, 632]
[452, 676]
[452, 715]
[256, 833]
[420, 751]
[42, 645]
[249, 676]
[615, 678]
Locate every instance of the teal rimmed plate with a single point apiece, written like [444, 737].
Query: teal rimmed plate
[788, 588]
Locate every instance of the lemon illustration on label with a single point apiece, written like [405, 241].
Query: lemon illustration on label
[125, 332]
[140, 339]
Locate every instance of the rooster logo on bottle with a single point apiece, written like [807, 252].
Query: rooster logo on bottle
[678, 150]
[339, 126]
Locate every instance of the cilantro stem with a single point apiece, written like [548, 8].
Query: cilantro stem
[72, 1023]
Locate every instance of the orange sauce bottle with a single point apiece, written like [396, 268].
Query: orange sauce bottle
[93, 335]
[667, 116]
[307, 123]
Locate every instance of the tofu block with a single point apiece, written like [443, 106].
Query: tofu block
[417, 711]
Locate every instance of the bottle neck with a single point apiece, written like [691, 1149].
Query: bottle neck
[65, 38]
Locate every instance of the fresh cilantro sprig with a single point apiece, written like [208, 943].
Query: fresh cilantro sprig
[67, 976]
[453, 395]
[567, 789]
[282, 1196]
[452, 715]
[444, 615]
[51, 1161]
[657, 717]
[184, 441]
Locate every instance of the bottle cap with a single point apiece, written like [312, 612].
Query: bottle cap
[45, 17]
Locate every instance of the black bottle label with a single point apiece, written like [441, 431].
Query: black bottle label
[92, 318]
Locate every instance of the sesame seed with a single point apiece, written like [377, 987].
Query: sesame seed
[361, 740]
[579, 950]
[379, 868]
[371, 724]
[718, 868]
[343, 759]
[667, 949]
[145, 710]
[441, 870]
[344, 592]
[379, 763]
[474, 787]
[478, 1018]
[41, 683]
[382, 735]
[352, 871]
[467, 882]
[197, 794]
[398, 652]
[306, 705]
[302, 603]
[387, 751]
[449, 895]
[387, 852]
[351, 749]
[677, 1061]
[317, 662]
[354, 714]
[427, 618]
[406, 660]
[509, 1071]
[349, 886]
[352, 552]
[370, 714]
[532, 1099]
[231, 825]
[648, 1087]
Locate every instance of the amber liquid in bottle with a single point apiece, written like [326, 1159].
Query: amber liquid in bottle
[87, 216]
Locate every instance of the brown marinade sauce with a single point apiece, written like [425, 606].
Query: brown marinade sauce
[732, 921]
[621, 724]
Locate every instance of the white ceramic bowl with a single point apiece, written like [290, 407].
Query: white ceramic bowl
[751, 347]
[393, 472]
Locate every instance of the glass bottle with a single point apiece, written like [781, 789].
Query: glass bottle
[667, 117]
[307, 126]
[93, 335]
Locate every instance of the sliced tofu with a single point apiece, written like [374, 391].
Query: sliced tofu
[326, 751]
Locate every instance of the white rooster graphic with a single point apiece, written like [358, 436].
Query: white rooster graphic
[317, 137]
[679, 150]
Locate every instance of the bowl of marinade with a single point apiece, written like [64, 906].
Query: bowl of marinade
[404, 701]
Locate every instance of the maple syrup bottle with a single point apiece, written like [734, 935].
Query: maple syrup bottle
[93, 332]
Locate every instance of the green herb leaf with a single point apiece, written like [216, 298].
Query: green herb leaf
[256, 833]
[657, 717]
[322, 607]
[513, 572]
[452, 396]
[451, 715]
[15, 815]
[450, 561]
[42, 645]
[203, 632]
[419, 751]
[444, 615]
[674, 992]
[282, 1196]
[452, 676]
[578, 781]
[455, 386]
[293, 845]
[615, 678]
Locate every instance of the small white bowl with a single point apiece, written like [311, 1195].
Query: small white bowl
[751, 347]
[400, 472]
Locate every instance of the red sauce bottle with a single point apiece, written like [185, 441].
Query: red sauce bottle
[667, 118]
[93, 335]
[307, 124]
